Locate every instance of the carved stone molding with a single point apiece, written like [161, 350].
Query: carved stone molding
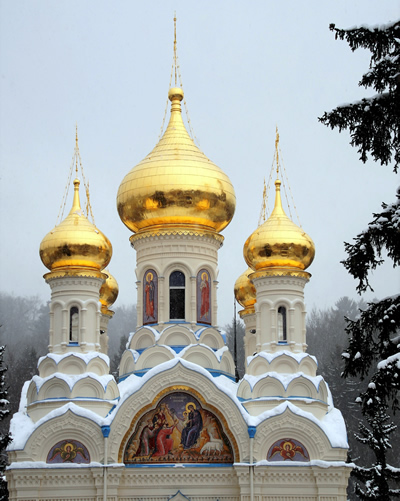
[65, 427]
[298, 428]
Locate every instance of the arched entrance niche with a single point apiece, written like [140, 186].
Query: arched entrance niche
[177, 429]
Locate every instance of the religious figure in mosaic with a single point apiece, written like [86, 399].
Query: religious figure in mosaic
[68, 451]
[150, 297]
[193, 426]
[288, 449]
[203, 297]
[178, 429]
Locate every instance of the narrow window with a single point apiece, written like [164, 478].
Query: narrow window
[74, 325]
[282, 335]
[177, 296]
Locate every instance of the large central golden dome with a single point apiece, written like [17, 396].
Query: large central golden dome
[176, 185]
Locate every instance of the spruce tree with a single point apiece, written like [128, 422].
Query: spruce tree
[373, 353]
[377, 477]
[5, 438]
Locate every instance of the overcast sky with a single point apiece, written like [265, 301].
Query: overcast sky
[246, 67]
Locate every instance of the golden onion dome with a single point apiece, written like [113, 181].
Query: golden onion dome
[176, 185]
[108, 291]
[245, 292]
[279, 243]
[75, 244]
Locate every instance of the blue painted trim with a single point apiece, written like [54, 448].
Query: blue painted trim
[216, 373]
[177, 347]
[213, 372]
[73, 343]
[291, 397]
[84, 399]
[178, 492]
[106, 431]
[251, 430]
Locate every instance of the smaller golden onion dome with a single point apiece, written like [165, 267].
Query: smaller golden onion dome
[279, 243]
[176, 185]
[75, 244]
[108, 291]
[245, 292]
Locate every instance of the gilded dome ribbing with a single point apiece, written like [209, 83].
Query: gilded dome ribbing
[75, 244]
[279, 243]
[176, 185]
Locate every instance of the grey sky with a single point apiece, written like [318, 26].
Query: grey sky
[246, 67]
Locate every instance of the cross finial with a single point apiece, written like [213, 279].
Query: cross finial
[76, 148]
[277, 151]
[176, 80]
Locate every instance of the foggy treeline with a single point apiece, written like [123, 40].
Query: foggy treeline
[25, 332]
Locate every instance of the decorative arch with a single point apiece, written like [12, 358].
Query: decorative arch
[142, 339]
[72, 365]
[128, 363]
[177, 427]
[150, 297]
[68, 451]
[153, 356]
[212, 338]
[282, 425]
[63, 428]
[175, 335]
[203, 294]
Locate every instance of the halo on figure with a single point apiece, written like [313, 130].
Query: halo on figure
[290, 444]
[70, 445]
[149, 276]
[204, 275]
[192, 404]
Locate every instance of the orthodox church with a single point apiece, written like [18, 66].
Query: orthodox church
[177, 425]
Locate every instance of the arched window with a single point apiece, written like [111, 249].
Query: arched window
[177, 296]
[282, 333]
[74, 325]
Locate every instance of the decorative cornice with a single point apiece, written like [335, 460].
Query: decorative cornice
[155, 234]
[74, 274]
[280, 272]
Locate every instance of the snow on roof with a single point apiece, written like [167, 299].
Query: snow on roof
[271, 356]
[22, 426]
[86, 357]
[218, 354]
[41, 464]
[332, 424]
[285, 379]
[71, 380]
